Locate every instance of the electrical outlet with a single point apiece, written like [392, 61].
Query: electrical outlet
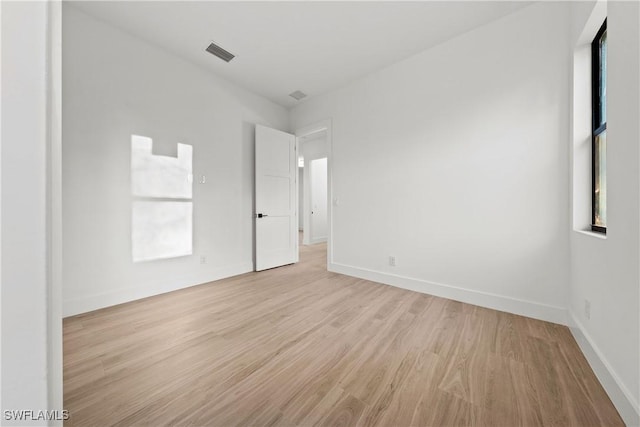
[203, 259]
[392, 261]
[587, 309]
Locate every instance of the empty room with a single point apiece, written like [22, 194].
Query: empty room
[329, 213]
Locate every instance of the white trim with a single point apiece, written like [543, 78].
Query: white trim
[118, 296]
[484, 299]
[593, 234]
[313, 128]
[620, 396]
[622, 399]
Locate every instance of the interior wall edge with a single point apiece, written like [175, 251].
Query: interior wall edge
[54, 210]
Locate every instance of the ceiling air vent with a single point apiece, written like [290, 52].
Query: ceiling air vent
[297, 95]
[216, 50]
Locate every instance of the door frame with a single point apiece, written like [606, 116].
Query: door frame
[323, 125]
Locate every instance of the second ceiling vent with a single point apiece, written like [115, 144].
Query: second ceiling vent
[216, 50]
[297, 95]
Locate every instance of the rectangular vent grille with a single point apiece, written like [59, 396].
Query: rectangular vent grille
[297, 95]
[216, 50]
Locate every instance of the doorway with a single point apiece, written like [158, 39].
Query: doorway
[312, 153]
[317, 200]
[312, 206]
[314, 180]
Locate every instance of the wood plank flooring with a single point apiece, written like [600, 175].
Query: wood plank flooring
[298, 345]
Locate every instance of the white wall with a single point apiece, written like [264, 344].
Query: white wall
[24, 213]
[116, 85]
[314, 146]
[461, 152]
[606, 271]
[455, 161]
[55, 350]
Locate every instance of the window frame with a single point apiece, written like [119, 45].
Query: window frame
[596, 128]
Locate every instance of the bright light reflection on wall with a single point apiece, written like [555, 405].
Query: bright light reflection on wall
[160, 176]
[161, 230]
[162, 210]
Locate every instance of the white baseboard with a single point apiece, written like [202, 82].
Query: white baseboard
[484, 299]
[622, 399]
[74, 306]
[619, 395]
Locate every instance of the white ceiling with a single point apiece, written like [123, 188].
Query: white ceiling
[281, 47]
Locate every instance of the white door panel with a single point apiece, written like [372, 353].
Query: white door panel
[275, 197]
[275, 217]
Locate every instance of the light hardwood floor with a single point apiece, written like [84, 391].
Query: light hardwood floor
[300, 346]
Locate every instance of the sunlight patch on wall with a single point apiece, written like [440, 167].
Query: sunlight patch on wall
[162, 209]
[161, 230]
[160, 176]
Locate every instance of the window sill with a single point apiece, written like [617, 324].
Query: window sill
[590, 233]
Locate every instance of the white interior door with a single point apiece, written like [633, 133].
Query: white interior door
[276, 203]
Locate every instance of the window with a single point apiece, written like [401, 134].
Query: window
[599, 131]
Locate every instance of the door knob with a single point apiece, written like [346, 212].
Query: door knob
[261, 215]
